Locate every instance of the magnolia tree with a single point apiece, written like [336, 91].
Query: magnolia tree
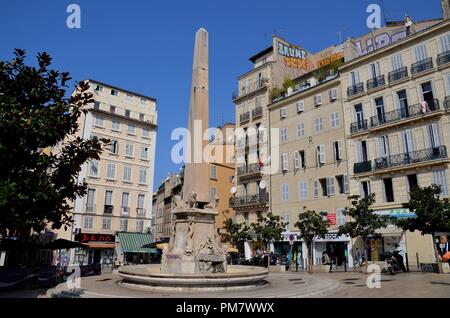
[235, 232]
[269, 228]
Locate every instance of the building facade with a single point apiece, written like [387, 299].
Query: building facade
[119, 194]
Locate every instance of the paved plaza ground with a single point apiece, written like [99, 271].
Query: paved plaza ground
[289, 284]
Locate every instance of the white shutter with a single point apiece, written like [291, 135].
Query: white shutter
[321, 154]
[445, 43]
[408, 141]
[316, 188]
[359, 152]
[361, 190]
[340, 150]
[300, 106]
[296, 160]
[332, 186]
[346, 184]
[397, 62]
[333, 94]
[420, 52]
[317, 100]
[435, 139]
[283, 112]
[284, 159]
[327, 182]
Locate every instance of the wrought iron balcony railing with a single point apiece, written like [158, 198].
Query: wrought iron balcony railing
[250, 88]
[360, 167]
[407, 112]
[248, 170]
[140, 211]
[422, 66]
[108, 209]
[358, 126]
[255, 199]
[443, 58]
[244, 117]
[375, 82]
[397, 75]
[91, 208]
[355, 89]
[257, 112]
[411, 157]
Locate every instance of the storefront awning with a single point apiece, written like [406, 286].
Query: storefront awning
[98, 245]
[134, 242]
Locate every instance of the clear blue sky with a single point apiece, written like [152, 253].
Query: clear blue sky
[147, 46]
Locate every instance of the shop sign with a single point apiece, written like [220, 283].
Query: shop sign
[397, 213]
[332, 237]
[86, 238]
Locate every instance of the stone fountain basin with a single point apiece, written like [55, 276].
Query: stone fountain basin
[150, 277]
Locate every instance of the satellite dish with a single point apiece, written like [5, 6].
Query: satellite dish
[233, 190]
[263, 184]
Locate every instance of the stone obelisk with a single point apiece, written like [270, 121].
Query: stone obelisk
[196, 172]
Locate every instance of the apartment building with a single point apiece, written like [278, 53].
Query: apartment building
[119, 194]
[396, 114]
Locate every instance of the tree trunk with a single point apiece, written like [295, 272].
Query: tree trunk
[436, 254]
[310, 257]
[366, 258]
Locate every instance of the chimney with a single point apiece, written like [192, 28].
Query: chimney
[445, 5]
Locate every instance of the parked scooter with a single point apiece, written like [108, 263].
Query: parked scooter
[394, 262]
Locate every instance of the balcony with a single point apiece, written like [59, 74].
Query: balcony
[108, 209]
[405, 113]
[359, 126]
[91, 208]
[355, 90]
[409, 158]
[375, 82]
[255, 200]
[422, 66]
[140, 211]
[397, 75]
[257, 112]
[248, 172]
[253, 87]
[443, 58]
[244, 117]
[125, 210]
[447, 103]
[361, 167]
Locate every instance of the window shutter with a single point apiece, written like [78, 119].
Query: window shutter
[332, 186]
[316, 188]
[435, 139]
[339, 148]
[322, 154]
[296, 160]
[300, 106]
[346, 184]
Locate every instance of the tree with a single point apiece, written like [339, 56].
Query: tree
[269, 228]
[235, 232]
[432, 214]
[311, 225]
[364, 222]
[37, 186]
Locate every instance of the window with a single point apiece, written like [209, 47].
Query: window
[338, 152]
[283, 112]
[359, 114]
[112, 109]
[93, 169]
[283, 135]
[99, 121]
[125, 197]
[340, 216]
[324, 185]
[108, 197]
[115, 125]
[284, 162]
[111, 171]
[143, 176]
[340, 183]
[141, 116]
[285, 192]
[246, 218]
[440, 179]
[383, 146]
[301, 130]
[127, 173]
[143, 100]
[318, 100]
[434, 136]
[319, 124]
[420, 52]
[427, 94]
[106, 224]
[365, 189]
[335, 120]
[286, 218]
[412, 181]
[96, 105]
[139, 226]
[90, 207]
[333, 94]
[303, 190]
[297, 160]
[388, 190]
[88, 222]
[131, 129]
[397, 62]
[302, 159]
[114, 92]
[114, 147]
[354, 78]
[144, 153]
[145, 132]
[213, 172]
[99, 88]
[129, 150]
[316, 188]
[212, 194]
[123, 225]
[375, 69]
[321, 154]
[129, 97]
[361, 151]
[300, 106]
[445, 43]
[127, 113]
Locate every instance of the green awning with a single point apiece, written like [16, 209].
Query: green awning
[134, 242]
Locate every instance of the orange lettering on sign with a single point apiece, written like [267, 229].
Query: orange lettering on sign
[297, 63]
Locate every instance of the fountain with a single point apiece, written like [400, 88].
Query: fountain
[195, 259]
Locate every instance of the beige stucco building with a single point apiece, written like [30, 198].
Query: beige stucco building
[119, 185]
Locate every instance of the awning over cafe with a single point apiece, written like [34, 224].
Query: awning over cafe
[134, 242]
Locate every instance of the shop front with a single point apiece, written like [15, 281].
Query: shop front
[132, 248]
[99, 253]
[338, 248]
